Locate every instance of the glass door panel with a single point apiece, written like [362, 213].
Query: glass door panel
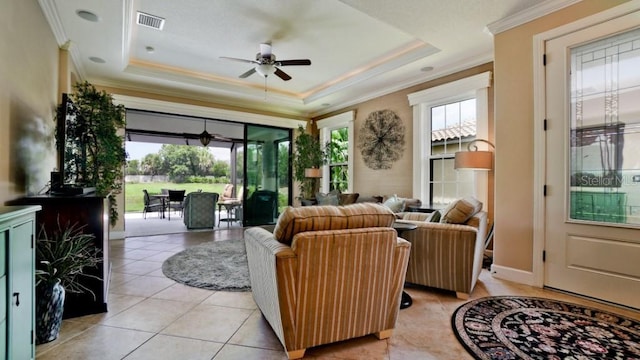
[267, 174]
[605, 130]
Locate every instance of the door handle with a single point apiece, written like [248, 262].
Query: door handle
[17, 295]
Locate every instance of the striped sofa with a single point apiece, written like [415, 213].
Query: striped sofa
[328, 273]
[446, 256]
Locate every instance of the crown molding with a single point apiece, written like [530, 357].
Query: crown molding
[53, 18]
[128, 14]
[417, 51]
[529, 14]
[385, 90]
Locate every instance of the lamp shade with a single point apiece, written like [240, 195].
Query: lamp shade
[473, 160]
[313, 173]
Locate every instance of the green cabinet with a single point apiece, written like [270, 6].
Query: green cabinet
[17, 281]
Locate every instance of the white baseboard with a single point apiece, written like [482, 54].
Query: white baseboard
[511, 274]
[116, 235]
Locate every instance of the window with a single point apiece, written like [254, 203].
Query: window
[445, 119]
[338, 158]
[452, 125]
[338, 173]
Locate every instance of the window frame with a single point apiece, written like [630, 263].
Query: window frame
[422, 102]
[325, 126]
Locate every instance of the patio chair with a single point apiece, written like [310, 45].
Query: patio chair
[261, 208]
[151, 205]
[200, 210]
[176, 201]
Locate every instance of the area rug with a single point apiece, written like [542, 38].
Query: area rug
[514, 327]
[217, 265]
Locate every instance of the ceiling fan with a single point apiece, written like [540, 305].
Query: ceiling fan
[266, 63]
[205, 138]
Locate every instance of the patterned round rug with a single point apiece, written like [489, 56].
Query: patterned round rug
[216, 265]
[514, 327]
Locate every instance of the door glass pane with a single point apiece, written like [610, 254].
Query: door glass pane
[605, 130]
[268, 178]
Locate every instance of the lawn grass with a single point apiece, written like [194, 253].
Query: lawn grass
[133, 194]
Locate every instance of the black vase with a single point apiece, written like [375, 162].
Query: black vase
[49, 309]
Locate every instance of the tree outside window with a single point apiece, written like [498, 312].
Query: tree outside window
[337, 149]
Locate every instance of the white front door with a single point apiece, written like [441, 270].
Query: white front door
[592, 206]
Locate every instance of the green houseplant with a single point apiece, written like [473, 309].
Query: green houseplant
[99, 156]
[308, 153]
[61, 258]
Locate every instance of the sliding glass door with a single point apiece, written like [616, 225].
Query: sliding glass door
[267, 174]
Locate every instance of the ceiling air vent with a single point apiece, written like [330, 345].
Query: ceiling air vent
[151, 21]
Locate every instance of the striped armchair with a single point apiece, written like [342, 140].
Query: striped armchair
[328, 273]
[447, 256]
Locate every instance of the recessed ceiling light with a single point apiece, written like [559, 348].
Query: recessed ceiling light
[426, 69]
[150, 49]
[97, 60]
[88, 15]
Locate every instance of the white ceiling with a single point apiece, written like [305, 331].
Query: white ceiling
[359, 49]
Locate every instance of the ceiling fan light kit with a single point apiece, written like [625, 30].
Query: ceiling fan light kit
[266, 63]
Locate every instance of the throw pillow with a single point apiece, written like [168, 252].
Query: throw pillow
[459, 211]
[373, 199]
[435, 216]
[394, 203]
[317, 218]
[328, 199]
[348, 198]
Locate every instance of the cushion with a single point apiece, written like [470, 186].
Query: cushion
[416, 216]
[348, 198]
[412, 203]
[228, 191]
[461, 210]
[327, 199]
[316, 218]
[373, 199]
[394, 203]
[435, 216]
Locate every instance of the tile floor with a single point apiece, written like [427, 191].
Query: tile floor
[153, 317]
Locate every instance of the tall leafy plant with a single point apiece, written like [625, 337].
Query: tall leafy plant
[95, 129]
[308, 153]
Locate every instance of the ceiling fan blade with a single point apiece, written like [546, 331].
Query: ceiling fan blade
[220, 137]
[265, 50]
[294, 62]
[248, 73]
[241, 60]
[282, 75]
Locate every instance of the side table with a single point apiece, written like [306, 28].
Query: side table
[232, 207]
[401, 227]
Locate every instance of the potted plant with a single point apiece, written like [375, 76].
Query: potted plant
[61, 258]
[308, 154]
[97, 132]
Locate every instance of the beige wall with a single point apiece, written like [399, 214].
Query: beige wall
[513, 83]
[399, 179]
[28, 97]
